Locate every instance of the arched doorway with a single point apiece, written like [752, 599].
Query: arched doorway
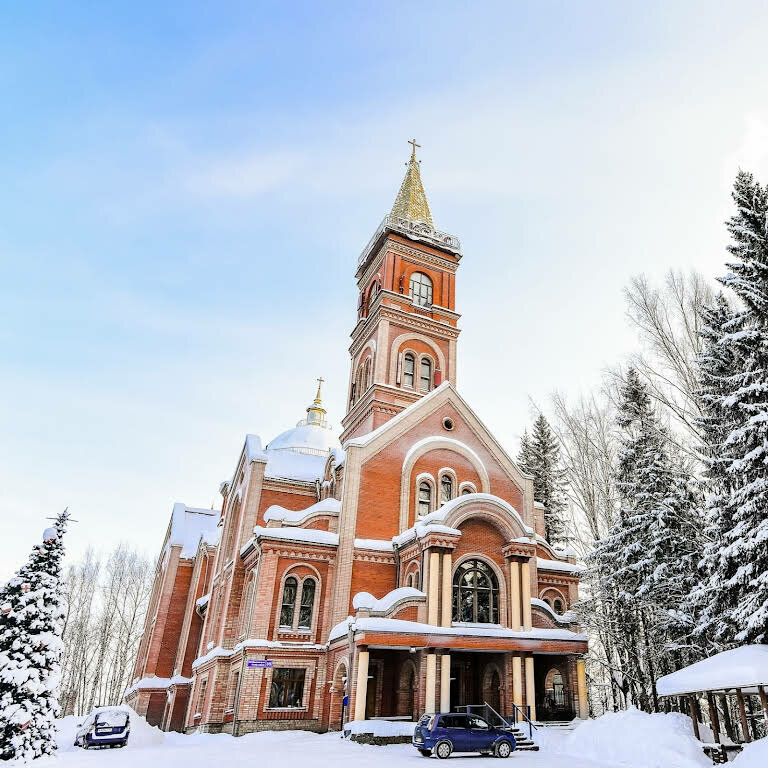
[338, 690]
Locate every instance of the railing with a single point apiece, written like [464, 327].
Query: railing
[415, 229]
[519, 715]
[562, 706]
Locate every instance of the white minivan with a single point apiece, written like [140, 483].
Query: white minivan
[104, 727]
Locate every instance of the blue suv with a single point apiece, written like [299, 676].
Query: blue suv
[460, 732]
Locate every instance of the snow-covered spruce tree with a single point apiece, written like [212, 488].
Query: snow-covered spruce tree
[30, 648]
[540, 456]
[740, 594]
[713, 627]
[645, 566]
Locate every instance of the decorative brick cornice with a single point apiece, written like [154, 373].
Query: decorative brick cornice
[294, 486]
[370, 556]
[562, 578]
[320, 552]
[519, 549]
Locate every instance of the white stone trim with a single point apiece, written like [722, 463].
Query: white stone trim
[398, 341]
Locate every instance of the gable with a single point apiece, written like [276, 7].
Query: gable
[417, 442]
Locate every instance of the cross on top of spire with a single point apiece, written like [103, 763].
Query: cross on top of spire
[414, 146]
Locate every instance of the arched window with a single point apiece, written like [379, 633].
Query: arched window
[372, 294]
[289, 601]
[475, 593]
[421, 289]
[425, 499]
[409, 367]
[557, 606]
[465, 490]
[425, 380]
[368, 373]
[446, 488]
[307, 602]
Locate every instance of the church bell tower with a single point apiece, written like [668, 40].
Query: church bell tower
[404, 342]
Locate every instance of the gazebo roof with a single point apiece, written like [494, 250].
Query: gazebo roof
[745, 668]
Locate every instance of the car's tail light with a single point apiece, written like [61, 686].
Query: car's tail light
[431, 723]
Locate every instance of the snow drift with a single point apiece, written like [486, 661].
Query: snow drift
[634, 738]
[755, 755]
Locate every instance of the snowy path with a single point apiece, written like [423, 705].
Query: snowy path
[289, 749]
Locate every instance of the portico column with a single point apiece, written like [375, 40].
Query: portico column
[361, 689]
[429, 699]
[445, 682]
[525, 575]
[514, 588]
[445, 610]
[530, 686]
[517, 680]
[434, 586]
[581, 684]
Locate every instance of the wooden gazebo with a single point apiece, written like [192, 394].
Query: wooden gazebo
[741, 672]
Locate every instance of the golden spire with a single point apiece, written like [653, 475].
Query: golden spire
[316, 412]
[411, 201]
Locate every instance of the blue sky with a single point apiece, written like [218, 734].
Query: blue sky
[185, 191]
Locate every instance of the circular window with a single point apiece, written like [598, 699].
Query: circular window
[448, 423]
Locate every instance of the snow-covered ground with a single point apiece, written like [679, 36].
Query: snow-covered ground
[622, 740]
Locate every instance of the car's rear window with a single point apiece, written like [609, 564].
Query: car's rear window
[112, 717]
[453, 721]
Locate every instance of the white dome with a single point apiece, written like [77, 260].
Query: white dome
[306, 438]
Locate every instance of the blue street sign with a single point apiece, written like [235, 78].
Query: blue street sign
[345, 701]
[260, 663]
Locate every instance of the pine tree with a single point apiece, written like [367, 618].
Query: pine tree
[540, 456]
[740, 594]
[31, 616]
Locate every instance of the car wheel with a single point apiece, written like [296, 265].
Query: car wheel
[503, 749]
[443, 749]
[425, 752]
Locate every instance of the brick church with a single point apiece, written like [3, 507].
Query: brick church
[398, 568]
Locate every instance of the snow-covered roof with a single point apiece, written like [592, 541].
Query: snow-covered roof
[306, 535]
[153, 683]
[745, 668]
[328, 506]
[542, 564]
[377, 545]
[305, 438]
[189, 525]
[382, 605]
[400, 626]
[287, 465]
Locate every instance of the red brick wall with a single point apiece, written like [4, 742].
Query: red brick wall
[379, 499]
[286, 499]
[480, 536]
[376, 578]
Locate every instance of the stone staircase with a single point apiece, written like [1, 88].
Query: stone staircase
[524, 744]
[560, 725]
